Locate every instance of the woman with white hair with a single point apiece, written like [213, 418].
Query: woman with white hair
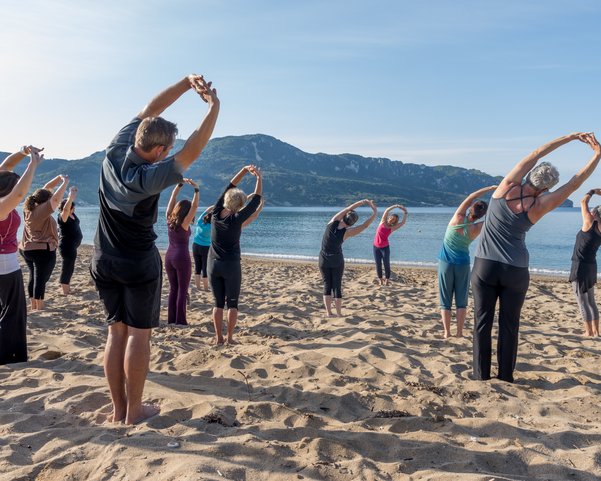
[583, 274]
[224, 270]
[500, 271]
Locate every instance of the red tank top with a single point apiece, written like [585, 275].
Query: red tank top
[8, 233]
[382, 235]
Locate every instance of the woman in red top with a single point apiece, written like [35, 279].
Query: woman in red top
[388, 224]
[13, 308]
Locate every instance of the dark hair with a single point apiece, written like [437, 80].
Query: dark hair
[479, 209]
[350, 217]
[38, 197]
[180, 211]
[155, 131]
[61, 206]
[8, 180]
[396, 216]
[206, 219]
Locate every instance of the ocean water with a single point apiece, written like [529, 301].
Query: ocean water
[295, 233]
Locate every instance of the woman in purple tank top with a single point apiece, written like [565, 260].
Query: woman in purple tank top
[178, 263]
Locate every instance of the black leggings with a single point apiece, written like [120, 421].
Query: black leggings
[225, 278]
[41, 263]
[493, 280]
[13, 319]
[68, 265]
[382, 255]
[201, 255]
[332, 280]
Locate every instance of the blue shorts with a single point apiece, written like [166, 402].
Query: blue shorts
[453, 280]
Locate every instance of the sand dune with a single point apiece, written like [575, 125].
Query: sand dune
[374, 395]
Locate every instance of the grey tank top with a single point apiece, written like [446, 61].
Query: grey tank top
[503, 237]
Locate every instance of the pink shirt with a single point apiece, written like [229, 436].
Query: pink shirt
[8, 233]
[382, 235]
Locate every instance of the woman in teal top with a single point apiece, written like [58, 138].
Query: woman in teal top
[200, 248]
[454, 259]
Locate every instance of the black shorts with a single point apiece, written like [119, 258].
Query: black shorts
[130, 289]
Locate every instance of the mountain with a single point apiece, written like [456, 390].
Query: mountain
[296, 178]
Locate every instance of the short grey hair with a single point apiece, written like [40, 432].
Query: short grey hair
[596, 211]
[543, 176]
[234, 200]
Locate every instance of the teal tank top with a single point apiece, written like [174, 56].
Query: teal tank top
[456, 246]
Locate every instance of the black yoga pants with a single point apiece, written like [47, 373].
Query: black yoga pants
[41, 263]
[332, 280]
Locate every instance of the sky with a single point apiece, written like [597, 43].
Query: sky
[467, 83]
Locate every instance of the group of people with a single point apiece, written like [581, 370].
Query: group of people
[127, 269]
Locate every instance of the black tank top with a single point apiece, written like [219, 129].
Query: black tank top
[331, 245]
[587, 244]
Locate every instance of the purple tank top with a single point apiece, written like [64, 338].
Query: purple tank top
[178, 242]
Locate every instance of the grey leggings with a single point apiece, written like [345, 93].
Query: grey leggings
[586, 303]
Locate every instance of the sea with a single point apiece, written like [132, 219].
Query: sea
[296, 232]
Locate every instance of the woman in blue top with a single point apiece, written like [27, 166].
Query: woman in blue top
[454, 258]
[200, 248]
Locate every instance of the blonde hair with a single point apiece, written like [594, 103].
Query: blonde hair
[234, 200]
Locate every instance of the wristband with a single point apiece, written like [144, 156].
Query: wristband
[196, 190]
[180, 184]
[591, 192]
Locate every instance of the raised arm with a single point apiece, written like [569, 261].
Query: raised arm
[190, 216]
[253, 217]
[353, 231]
[173, 199]
[469, 200]
[59, 193]
[340, 215]
[259, 177]
[14, 159]
[587, 218]
[19, 191]
[200, 137]
[166, 98]
[236, 179]
[403, 220]
[67, 207]
[52, 184]
[525, 165]
[554, 199]
[387, 213]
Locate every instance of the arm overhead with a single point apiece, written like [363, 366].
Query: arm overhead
[16, 196]
[14, 159]
[252, 218]
[200, 137]
[188, 219]
[52, 184]
[165, 99]
[340, 215]
[57, 197]
[353, 231]
[587, 218]
[67, 208]
[173, 199]
[468, 202]
[403, 220]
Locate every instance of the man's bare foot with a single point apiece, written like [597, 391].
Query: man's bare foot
[145, 412]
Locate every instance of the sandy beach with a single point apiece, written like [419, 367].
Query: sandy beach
[374, 395]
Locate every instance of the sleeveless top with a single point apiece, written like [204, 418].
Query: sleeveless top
[178, 242]
[331, 246]
[202, 232]
[503, 236]
[69, 234]
[584, 258]
[382, 235]
[9, 261]
[455, 246]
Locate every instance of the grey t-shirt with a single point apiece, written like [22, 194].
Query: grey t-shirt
[129, 196]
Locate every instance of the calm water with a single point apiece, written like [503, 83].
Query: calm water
[287, 232]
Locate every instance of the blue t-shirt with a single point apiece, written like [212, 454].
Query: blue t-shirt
[202, 232]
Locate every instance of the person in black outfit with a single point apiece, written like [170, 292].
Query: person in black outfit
[69, 238]
[583, 274]
[331, 259]
[225, 273]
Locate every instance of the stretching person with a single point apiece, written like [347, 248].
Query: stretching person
[225, 272]
[13, 307]
[454, 258]
[126, 265]
[40, 237]
[501, 265]
[177, 259]
[389, 224]
[331, 258]
[69, 238]
[583, 274]
[200, 248]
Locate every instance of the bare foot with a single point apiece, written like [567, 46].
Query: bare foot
[329, 314]
[217, 342]
[146, 412]
[459, 334]
[387, 282]
[447, 335]
[230, 342]
[118, 415]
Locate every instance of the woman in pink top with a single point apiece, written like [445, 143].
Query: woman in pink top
[388, 224]
[13, 308]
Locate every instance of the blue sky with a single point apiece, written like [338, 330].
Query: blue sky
[468, 83]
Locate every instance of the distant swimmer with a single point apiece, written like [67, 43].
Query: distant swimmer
[388, 224]
[229, 216]
[126, 265]
[13, 306]
[583, 274]
[454, 258]
[178, 263]
[331, 258]
[500, 270]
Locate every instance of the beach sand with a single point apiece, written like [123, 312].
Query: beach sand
[374, 395]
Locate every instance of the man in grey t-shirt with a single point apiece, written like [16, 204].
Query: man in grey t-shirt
[126, 265]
